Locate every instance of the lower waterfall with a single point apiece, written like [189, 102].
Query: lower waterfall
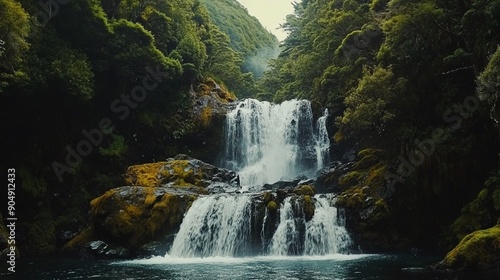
[226, 226]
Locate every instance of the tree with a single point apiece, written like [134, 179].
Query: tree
[14, 30]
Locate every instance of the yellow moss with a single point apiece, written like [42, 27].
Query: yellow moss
[145, 175]
[272, 206]
[338, 137]
[182, 174]
[376, 179]
[150, 197]
[369, 152]
[350, 179]
[206, 116]
[352, 198]
[95, 204]
[305, 190]
[268, 196]
[477, 250]
[308, 207]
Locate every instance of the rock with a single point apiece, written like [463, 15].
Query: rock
[185, 173]
[304, 190]
[101, 249]
[479, 250]
[282, 185]
[155, 248]
[328, 178]
[135, 215]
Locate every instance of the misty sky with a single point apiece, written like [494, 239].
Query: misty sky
[271, 13]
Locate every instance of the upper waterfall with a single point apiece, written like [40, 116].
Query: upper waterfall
[268, 142]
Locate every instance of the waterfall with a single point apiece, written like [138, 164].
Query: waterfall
[322, 141]
[286, 239]
[268, 142]
[324, 234]
[217, 225]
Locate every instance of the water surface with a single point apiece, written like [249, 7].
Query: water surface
[347, 267]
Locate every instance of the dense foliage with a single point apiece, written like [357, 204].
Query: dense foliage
[417, 79]
[247, 35]
[89, 87]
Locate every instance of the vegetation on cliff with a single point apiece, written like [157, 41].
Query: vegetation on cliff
[90, 87]
[416, 81]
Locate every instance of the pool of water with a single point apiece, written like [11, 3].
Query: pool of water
[347, 267]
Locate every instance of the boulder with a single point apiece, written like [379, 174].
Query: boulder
[183, 172]
[135, 215]
[478, 251]
[150, 209]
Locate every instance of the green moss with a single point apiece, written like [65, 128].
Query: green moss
[475, 216]
[272, 206]
[478, 250]
[308, 207]
[304, 190]
[267, 196]
[140, 215]
[115, 149]
[367, 158]
[352, 198]
[351, 179]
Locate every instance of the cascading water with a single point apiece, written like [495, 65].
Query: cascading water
[217, 225]
[266, 143]
[324, 234]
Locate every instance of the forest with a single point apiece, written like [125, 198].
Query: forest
[91, 87]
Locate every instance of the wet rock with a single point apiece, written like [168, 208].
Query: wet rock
[134, 215]
[328, 178]
[101, 249]
[155, 248]
[185, 173]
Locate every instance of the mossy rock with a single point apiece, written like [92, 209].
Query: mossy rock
[133, 216]
[79, 241]
[304, 190]
[180, 172]
[476, 215]
[272, 206]
[479, 250]
[351, 179]
[146, 175]
[267, 197]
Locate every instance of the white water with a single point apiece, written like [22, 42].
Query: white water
[325, 233]
[217, 225]
[265, 143]
[220, 226]
[286, 237]
[268, 142]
